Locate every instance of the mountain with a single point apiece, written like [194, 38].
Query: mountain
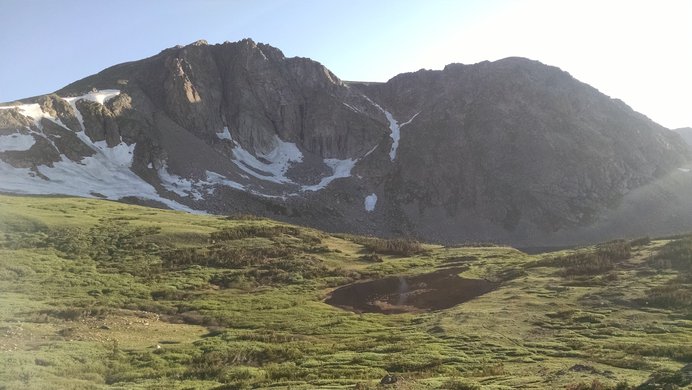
[685, 133]
[512, 150]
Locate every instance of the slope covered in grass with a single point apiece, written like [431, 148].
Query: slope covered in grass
[95, 294]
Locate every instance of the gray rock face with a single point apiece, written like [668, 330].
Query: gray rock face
[511, 151]
[56, 107]
[99, 122]
[515, 141]
[685, 133]
[254, 91]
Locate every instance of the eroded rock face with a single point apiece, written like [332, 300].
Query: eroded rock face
[12, 121]
[515, 141]
[99, 122]
[58, 108]
[257, 93]
[512, 150]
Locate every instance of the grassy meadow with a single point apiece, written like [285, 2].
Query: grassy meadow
[103, 295]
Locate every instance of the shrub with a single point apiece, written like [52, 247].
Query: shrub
[460, 384]
[598, 261]
[615, 250]
[640, 241]
[243, 217]
[397, 246]
[672, 295]
[371, 258]
[250, 231]
[594, 385]
[676, 255]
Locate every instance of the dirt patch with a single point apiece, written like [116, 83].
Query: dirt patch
[433, 291]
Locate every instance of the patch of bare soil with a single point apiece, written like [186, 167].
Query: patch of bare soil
[409, 294]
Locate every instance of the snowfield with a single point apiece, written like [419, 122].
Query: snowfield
[340, 169]
[394, 128]
[16, 141]
[278, 160]
[370, 202]
[106, 174]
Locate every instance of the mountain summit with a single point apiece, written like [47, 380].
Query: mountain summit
[511, 150]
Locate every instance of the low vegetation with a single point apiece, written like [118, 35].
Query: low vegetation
[97, 294]
[397, 246]
[597, 261]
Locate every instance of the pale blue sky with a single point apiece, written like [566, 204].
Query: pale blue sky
[638, 51]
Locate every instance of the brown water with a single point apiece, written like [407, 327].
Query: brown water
[433, 291]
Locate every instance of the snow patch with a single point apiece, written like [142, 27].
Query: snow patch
[100, 97]
[215, 178]
[410, 120]
[17, 142]
[686, 170]
[226, 134]
[274, 165]
[340, 169]
[370, 202]
[178, 184]
[394, 127]
[92, 177]
[32, 111]
[395, 134]
[371, 150]
[119, 155]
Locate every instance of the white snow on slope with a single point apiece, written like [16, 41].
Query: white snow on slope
[410, 120]
[16, 141]
[686, 170]
[274, 165]
[226, 134]
[105, 174]
[340, 169]
[100, 97]
[395, 134]
[32, 111]
[370, 202]
[91, 177]
[215, 178]
[179, 185]
[394, 127]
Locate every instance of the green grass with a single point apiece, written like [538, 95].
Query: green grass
[97, 294]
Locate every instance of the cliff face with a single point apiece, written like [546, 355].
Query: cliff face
[511, 150]
[516, 141]
[686, 134]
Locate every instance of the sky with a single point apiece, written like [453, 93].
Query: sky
[636, 51]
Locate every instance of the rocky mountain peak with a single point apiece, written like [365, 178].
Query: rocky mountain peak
[511, 150]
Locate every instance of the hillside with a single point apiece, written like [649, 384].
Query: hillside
[98, 294]
[511, 151]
